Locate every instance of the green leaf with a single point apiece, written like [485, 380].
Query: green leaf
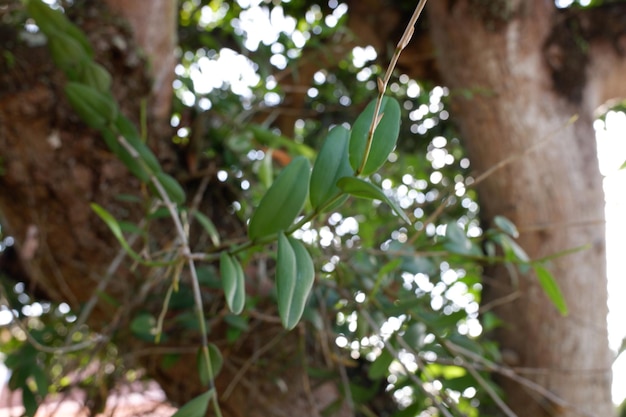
[233, 281]
[383, 141]
[129, 131]
[551, 288]
[133, 164]
[128, 227]
[458, 242]
[411, 411]
[95, 75]
[295, 274]
[363, 189]
[380, 367]
[283, 201]
[208, 226]
[115, 228]
[173, 189]
[623, 165]
[95, 108]
[68, 55]
[266, 169]
[418, 265]
[331, 164]
[143, 327]
[128, 198]
[196, 407]
[507, 226]
[272, 140]
[237, 322]
[29, 401]
[512, 249]
[490, 321]
[53, 21]
[41, 380]
[415, 334]
[207, 374]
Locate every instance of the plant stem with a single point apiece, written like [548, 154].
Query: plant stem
[382, 83]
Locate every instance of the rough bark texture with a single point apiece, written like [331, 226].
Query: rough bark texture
[511, 109]
[154, 30]
[55, 166]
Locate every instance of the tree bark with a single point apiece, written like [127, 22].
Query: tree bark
[512, 116]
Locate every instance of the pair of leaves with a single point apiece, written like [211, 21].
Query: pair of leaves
[295, 274]
[343, 152]
[233, 281]
[369, 152]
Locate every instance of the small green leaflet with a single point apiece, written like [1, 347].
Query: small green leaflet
[233, 282]
[506, 225]
[363, 189]
[512, 249]
[380, 367]
[115, 228]
[458, 242]
[208, 226]
[551, 288]
[209, 370]
[196, 407]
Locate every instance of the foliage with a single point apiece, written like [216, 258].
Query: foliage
[398, 269]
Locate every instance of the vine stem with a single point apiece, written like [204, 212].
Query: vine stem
[382, 83]
[186, 254]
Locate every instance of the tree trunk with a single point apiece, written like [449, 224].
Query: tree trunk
[495, 58]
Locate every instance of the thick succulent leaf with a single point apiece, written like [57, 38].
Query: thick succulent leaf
[283, 201]
[331, 164]
[383, 141]
[233, 282]
[95, 108]
[295, 274]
